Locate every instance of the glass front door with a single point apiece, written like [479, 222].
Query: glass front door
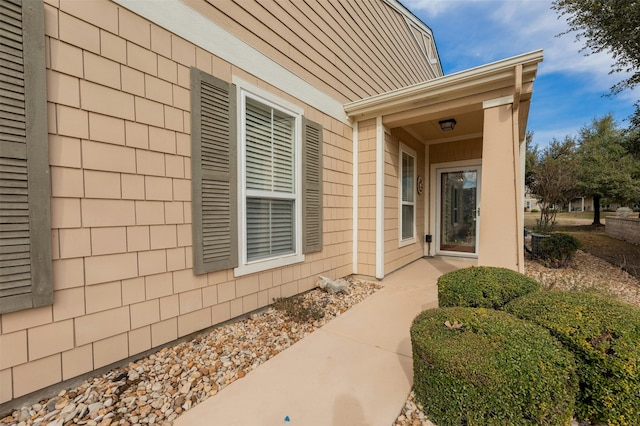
[458, 210]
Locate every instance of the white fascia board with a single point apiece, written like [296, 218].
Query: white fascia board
[410, 18]
[448, 85]
[430, 61]
[180, 19]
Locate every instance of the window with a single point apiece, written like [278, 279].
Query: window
[256, 180]
[407, 194]
[25, 224]
[271, 172]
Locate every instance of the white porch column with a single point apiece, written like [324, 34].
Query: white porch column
[501, 210]
[379, 198]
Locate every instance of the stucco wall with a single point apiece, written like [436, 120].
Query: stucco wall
[119, 122]
[623, 228]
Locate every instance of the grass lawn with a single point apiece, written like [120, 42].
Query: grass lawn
[566, 218]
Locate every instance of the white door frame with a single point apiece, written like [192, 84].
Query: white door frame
[436, 200]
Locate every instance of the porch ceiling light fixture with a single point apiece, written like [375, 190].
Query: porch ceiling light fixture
[447, 125]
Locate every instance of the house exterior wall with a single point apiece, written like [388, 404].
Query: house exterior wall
[366, 263]
[397, 255]
[118, 95]
[350, 50]
[455, 151]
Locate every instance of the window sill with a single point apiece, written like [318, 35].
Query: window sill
[407, 242]
[264, 265]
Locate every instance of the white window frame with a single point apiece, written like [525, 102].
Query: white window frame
[404, 149]
[245, 267]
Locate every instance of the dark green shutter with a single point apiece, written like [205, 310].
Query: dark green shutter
[311, 186]
[214, 176]
[25, 189]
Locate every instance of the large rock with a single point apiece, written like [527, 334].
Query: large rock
[333, 286]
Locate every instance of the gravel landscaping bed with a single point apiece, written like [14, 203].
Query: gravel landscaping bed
[588, 273]
[585, 273]
[158, 388]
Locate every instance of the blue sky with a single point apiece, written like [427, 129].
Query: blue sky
[568, 92]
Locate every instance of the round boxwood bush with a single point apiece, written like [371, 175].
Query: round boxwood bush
[557, 250]
[483, 287]
[487, 367]
[604, 336]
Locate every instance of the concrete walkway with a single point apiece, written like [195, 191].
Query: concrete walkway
[356, 370]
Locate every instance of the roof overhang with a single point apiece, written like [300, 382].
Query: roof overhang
[463, 91]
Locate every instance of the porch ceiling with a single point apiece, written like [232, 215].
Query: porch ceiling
[460, 96]
[468, 124]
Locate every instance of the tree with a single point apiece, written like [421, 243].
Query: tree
[531, 158]
[607, 25]
[632, 137]
[632, 145]
[551, 177]
[606, 169]
[634, 126]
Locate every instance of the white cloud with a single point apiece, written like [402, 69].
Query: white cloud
[533, 22]
[431, 8]
[543, 137]
[630, 95]
[495, 29]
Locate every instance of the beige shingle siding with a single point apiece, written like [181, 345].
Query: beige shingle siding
[121, 202]
[350, 50]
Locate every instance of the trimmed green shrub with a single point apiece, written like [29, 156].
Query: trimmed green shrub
[557, 250]
[483, 287]
[604, 336]
[487, 367]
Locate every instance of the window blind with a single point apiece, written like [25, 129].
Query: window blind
[270, 182]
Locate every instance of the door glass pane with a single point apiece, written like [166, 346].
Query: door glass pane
[458, 211]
